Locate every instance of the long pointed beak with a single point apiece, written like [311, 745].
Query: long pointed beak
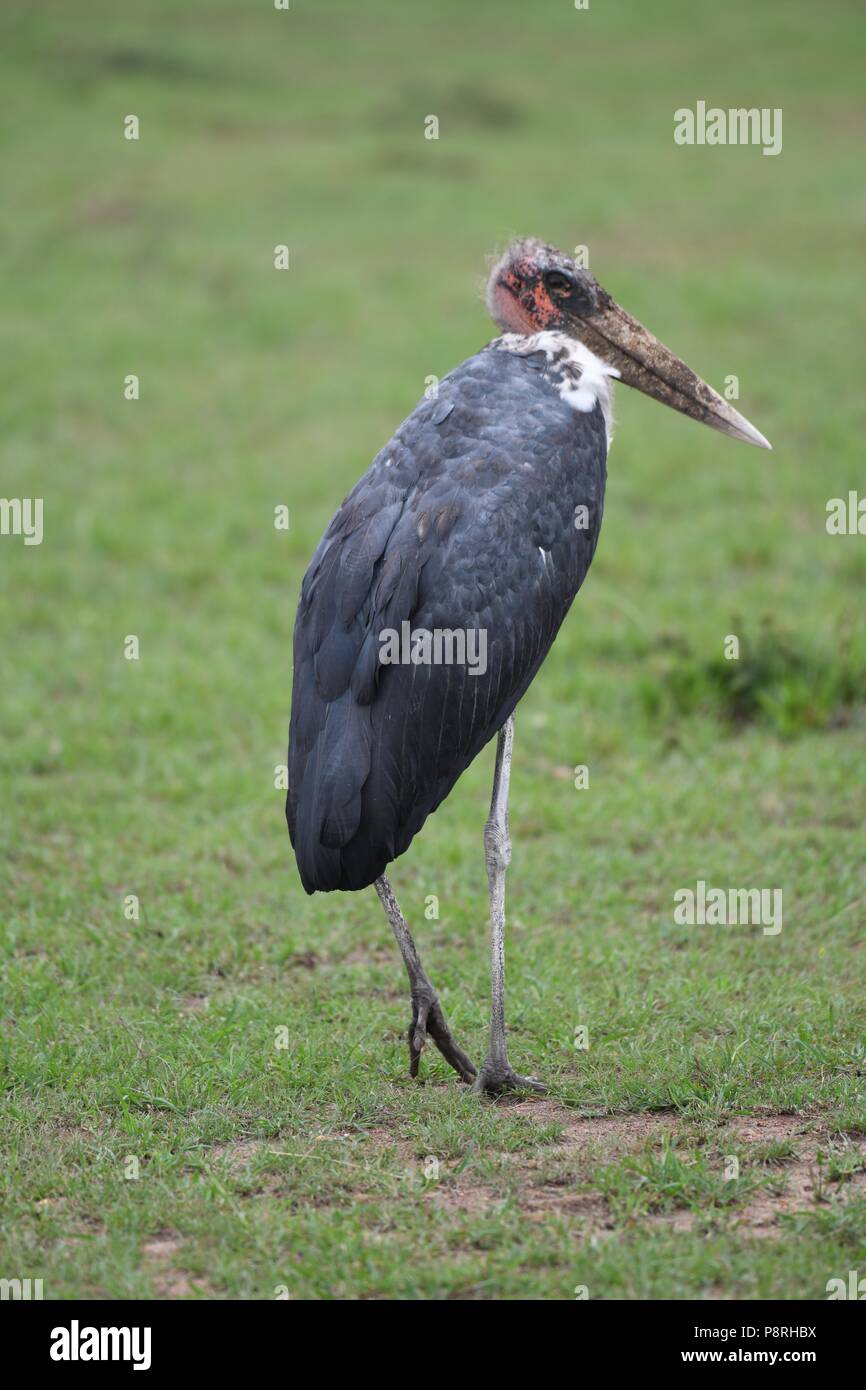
[645, 363]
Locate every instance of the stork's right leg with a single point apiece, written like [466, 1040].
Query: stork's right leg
[427, 1015]
[497, 1073]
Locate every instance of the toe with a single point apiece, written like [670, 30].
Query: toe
[497, 1081]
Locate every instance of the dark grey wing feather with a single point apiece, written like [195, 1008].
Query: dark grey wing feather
[464, 521]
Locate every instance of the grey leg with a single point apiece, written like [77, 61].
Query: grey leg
[497, 1074]
[427, 1015]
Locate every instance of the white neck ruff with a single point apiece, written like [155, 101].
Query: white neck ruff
[585, 379]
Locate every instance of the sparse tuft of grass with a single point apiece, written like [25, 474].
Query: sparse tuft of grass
[775, 681]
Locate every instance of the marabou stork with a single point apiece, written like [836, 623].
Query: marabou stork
[467, 521]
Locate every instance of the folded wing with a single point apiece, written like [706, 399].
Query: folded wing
[480, 517]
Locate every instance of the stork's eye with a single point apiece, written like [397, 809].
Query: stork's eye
[559, 283]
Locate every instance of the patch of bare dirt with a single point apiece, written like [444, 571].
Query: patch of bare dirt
[552, 1199]
[597, 1136]
[370, 955]
[303, 960]
[159, 1253]
[83, 1228]
[555, 1179]
[161, 1246]
[768, 1128]
[469, 1199]
[460, 1190]
[546, 1182]
[807, 1182]
[194, 1003]
[615, 1132]
[236, 1153]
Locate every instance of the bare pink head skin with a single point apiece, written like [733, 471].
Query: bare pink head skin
[534, 288]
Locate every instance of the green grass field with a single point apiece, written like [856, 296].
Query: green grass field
[155, 1140]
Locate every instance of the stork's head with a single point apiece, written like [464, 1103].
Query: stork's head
[534, 288]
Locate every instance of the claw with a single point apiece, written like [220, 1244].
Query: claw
[429, 1020]
[495, 1080]
[418, 1028]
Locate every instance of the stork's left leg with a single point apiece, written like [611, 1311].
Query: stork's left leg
[497, 1074]
[427, 1015]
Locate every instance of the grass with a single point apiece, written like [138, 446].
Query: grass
[155, 1139]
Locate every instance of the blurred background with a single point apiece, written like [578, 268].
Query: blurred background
[261, 388]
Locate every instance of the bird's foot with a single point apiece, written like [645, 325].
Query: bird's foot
[495, 1078]
[428, 1020]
